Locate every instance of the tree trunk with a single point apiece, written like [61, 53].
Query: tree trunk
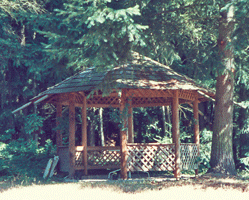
[92, 134]
[102, 137]
[164, 121]
[222, 160]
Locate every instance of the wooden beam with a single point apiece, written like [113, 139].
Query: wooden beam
[130, 122]
[22, 107]
[123, 136]
[176, 133]
[196, 121]
[84, 133]
[71, 135]
[41, 99]
[58, 132]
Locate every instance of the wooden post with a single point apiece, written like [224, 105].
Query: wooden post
[196, 126]
[176, 133]
[58, 132]
[84, 133]
[71, 135]
[123, 137]
[130, 122]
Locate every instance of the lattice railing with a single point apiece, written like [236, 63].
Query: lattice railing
[151, 157]
[99, 157]
[189, 154]
[103, 157]
[141, 157]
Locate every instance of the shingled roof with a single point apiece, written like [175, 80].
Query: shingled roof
[147, 83]
[139, 72]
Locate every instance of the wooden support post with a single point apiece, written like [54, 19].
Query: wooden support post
[123, 137]
[84, 133]
[176, 133]
[71, 135]
[196, 126]
[58, 132]
[130, 122]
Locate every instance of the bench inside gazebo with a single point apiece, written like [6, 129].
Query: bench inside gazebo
[140, 82]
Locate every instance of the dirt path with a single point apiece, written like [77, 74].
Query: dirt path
[75, 191]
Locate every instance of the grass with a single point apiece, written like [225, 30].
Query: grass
[203, 182]
[215, 181]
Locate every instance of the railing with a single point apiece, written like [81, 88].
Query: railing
[98, 157]
[189, 154]
[160, 157]
[141, 157]
[151, 157]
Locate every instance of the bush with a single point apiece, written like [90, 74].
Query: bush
[21, 159]
[205, 150]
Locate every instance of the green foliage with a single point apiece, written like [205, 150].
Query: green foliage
[245, 162]
[148, 124]
[21, 159]
[99, 33]
[38, 47]
[33, 122]
[205, 149]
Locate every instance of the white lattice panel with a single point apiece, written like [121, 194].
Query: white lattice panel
[103, 158]
[151, 157]
[189, 154]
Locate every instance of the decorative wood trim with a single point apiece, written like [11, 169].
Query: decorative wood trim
[147, 144]
[148, 93]
[103, 148]
[186, 94]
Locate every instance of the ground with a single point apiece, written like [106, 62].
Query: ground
[204, 187]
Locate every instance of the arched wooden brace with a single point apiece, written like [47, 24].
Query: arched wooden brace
[71, 135]
[196, 125]
[123, 136]
[176, 133]
[84, 133]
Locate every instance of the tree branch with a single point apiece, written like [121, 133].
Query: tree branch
[174, 10]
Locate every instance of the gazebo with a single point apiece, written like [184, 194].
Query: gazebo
[140, 82]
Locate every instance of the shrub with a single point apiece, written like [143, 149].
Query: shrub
[21, 159]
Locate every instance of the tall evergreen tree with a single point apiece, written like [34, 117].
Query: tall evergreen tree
[222, 147]
[99, 33]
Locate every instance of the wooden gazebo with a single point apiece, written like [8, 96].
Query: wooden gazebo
[140, 82]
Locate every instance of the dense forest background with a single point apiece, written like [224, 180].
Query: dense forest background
[43, 42]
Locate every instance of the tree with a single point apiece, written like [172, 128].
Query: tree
[222, 160]
[99, 33]
[194, 37]
[182, 33]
